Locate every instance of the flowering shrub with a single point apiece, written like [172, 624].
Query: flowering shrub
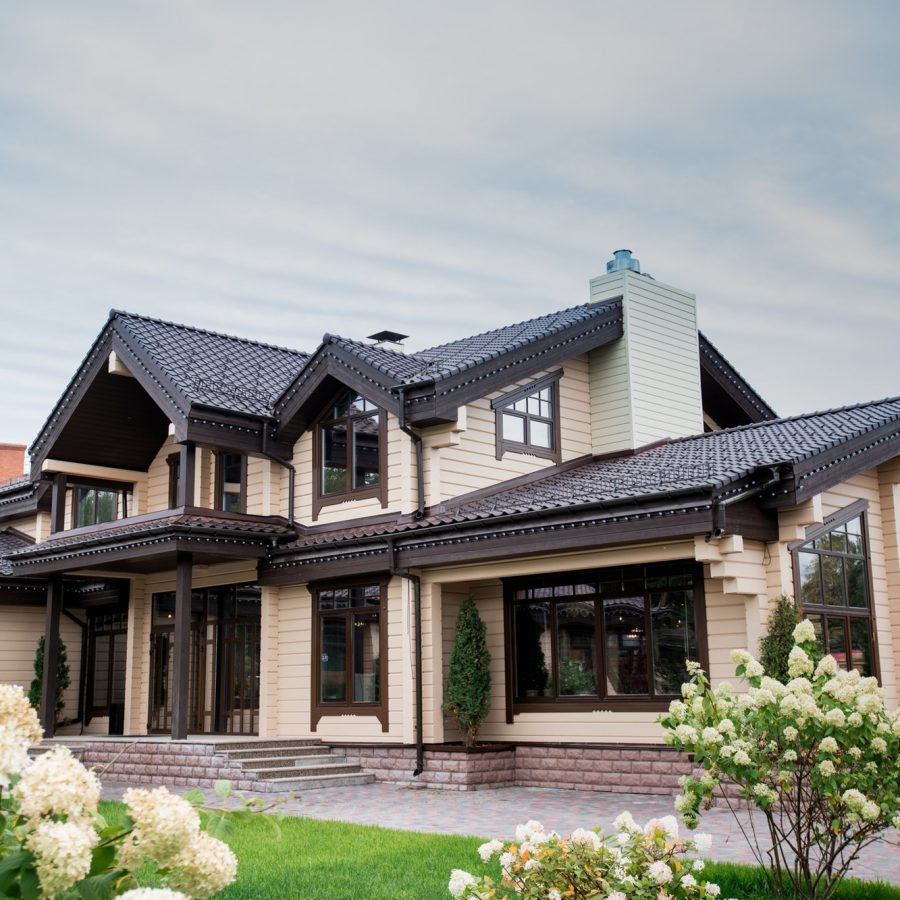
[648, 862]
[819, 755]
[56, 844]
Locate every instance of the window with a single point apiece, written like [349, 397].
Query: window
[350, 450]
[106, 678]
[231, 482]
[611, 637]
[528, 420]
[94, 505]
[831, 574]
[174, 461]
[351, 645]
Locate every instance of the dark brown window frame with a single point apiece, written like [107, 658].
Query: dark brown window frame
[502, 404]
[379, 709]
[174, 462]
[602, 703]
[220, 480]
[119, 488]
[94, 711]
[857, 509]
[379, 491]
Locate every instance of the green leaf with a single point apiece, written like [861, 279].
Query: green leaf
[102, 859]
[15, 861]
[99, 887]
[29, 885]
[195, 797]
[222, 787]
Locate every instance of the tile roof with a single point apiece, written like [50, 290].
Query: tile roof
[215, 369]
[708, 462]
[9, 543]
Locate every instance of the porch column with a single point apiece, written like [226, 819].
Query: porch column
[181, 674]
[187, 464]
[51, 655]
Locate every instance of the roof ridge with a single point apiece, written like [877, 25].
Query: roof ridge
[338, 338]
[119, 313]
[768, 423]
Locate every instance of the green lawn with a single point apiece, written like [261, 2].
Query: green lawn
[316, 859]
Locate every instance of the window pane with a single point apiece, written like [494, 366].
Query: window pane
[861, 646]
[531, 624]
[101, 672]
[366, 657]
[534, 405]
[856, 582]
[837, 641]
[342, 405]
[232, 466]
[833, 580]
[85, 501]
[575, 631]
[334, 459]
[626, 646]
[810, 586]
[540, 434]
[333, 681]
[118, 672]
[674, 639]
[107, 503]
[521, 405]
[839, 540]
[366, 452]
[359, 404]
[818, 624]
[513, 428]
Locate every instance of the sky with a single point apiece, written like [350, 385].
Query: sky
[279, 170]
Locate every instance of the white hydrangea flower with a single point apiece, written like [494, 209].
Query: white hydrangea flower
[587, 838]
[740, 657]
[754, 669]
[791, 733]
[687, 734]
[799, 663]
[625, 822]
[693, 667]
[164, 824]
[726, 726]
[688, 690]
[688, 880]
[667, 824]
[528, 831]
[712, 889]
[616, 895]
[789, 755]
[699, 865]
[486, 851]
[62, 852]
[742, 758]
[828, 745]
[827, 666]
[711, 735]
[660, 872]
[507, 859]
[152, 894]
[835, 718]
[869, 703]
[870, 811]
[459, 881]
[204, 867]
[702, 842]
[677, 710]
[18, 714]
[879, 745]
[854, 799]
[804, 632]
[57, 784]
[855, 719]
[14, 757]
[826, 767]
[554, 894]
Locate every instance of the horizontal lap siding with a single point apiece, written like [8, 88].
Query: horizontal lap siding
[889, 484]
[726, 628]
[158, 477]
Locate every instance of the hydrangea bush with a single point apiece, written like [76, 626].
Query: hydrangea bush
[649, 862]
[55, 843]
[819, 755]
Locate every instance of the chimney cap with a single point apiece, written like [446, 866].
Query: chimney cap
[622, 259]
[390, 337]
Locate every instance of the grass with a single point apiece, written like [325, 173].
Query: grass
[316, 859]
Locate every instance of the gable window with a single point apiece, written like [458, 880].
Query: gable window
[351, 648]
[231, 482]
[528, 419]
[350, 444]
[831, 574]
[604, 638]
[94, 505]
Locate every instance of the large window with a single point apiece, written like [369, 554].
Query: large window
[609, 637]
[106, 663]
[351, 646]
[528, 419]
[350, 450]
[95, 505]
[831, 574]
[231, 482]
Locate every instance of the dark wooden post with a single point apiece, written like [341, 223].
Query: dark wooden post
[186, 468]
[58, 503]
[181, 674]
[51, 655]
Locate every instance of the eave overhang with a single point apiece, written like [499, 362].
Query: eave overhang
[31, 497]
[729, 396]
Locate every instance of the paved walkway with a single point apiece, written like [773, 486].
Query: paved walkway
[496, 813]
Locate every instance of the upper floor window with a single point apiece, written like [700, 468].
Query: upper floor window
[611, 637]
[174, 461]
[350, 450]
[94, 505]
[231, 482]
[528, 419]
[831, 573]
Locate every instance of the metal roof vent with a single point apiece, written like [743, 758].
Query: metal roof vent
[622, 259]
[388, 337]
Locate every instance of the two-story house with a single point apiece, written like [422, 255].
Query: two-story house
[235, 538]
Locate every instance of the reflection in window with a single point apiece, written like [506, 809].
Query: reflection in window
[832, 577]
[350, 445]
[94, 506]
[231, 479]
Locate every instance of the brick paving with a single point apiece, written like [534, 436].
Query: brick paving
[496, 813]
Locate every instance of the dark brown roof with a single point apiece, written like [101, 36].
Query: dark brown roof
[10, 541]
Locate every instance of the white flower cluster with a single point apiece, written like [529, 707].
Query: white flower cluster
[57, 784]
[62, 853]
[19, 729]
[164, 825]
[152, 894]
[459, 881]
[205, 867]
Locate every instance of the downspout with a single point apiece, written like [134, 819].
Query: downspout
[719, 506]
[416, 583]
[416, 438]
[292, 472]
[82, 669]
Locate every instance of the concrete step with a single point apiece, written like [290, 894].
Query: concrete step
[280, 762]
[317, 781]
[270, 752]
[266, 744]
[306, 771]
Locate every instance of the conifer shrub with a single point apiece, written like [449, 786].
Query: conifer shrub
[776, 645]
[62, 676]
[468, 696]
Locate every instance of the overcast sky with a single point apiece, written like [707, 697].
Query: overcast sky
[283, 169]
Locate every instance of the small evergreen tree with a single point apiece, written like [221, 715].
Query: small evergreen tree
[469, 681]
[62, 676]
[776, 644]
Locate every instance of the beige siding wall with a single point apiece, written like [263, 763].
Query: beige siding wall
[463, 458]
[20, 627]
[137, 676]
[29, 525]
[889, 490]
[657, 370]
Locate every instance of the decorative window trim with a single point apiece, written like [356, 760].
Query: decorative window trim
[379, 709]
[857, 509]
[379, 491]
[602, 702]
[218, 502]
[504, 401]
